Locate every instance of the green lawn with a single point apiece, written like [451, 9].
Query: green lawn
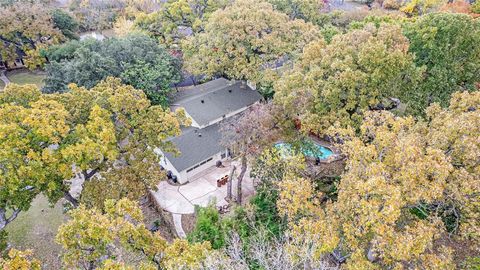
[36, 230]
[26, 77]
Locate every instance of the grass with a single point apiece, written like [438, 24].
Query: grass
[36, 230]
[26, 77]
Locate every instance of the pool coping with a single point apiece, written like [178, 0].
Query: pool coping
[336, 156]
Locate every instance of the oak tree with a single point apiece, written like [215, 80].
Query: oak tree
[448, 45]
[337, 82]
[92, 238]
[27, 28]
[407, 184]
[245, 38]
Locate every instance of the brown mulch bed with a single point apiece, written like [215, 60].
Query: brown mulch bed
[188, 222]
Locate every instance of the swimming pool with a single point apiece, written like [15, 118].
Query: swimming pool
[312, 150]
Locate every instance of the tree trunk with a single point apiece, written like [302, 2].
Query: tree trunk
[240, 179]
[229, 183]
[3, 217]
[71, 199]
[87, 175]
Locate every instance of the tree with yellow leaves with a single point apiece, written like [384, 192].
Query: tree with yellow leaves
[407, 184]
[19, 260]
[420, 7]
[108, 132]
[337, 82]
[31, 161]
[92, 239]
[128, 166]
[245, 38]
[177, 19]
[27, 27]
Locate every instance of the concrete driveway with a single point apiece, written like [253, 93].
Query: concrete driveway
[201, 191]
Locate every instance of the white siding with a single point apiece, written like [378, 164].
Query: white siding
[201, 168]
[165, 163]
[184, 176]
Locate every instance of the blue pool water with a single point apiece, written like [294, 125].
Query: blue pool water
[314, 151]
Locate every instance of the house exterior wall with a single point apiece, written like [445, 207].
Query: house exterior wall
[10, 65]
[184, 176]
[165, 163]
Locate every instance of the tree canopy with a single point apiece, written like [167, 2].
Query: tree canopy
[447, 45]
[27, 28]
[92, 239]
[177, 19]
[66, 23]
[308, 10]
[243, 39]
[138, 60]
[106, 133]
[407, 184]
[337, 82]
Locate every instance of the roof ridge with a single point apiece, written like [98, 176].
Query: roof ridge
[206, 92]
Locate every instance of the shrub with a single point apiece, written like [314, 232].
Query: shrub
[476, 7]
[208, 227]
[392, 4]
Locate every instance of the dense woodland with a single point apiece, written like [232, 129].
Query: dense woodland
[393, 85]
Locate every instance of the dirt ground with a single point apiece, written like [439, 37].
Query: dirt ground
[188, 222]
[164, 220]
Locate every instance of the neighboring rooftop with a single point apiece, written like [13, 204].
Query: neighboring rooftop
[214, 99]
[195, 145]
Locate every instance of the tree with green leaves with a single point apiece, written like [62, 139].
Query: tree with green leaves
[177, 19]
[245, 38]
[448, 46]
[308, 10]
[66, 23]
[337, 82]
[137, 59]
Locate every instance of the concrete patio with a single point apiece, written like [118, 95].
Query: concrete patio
[201, 191]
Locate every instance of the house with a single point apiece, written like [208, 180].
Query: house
[207, 105]
[8, 65]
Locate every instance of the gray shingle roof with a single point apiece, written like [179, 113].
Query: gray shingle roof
[194, 148]
[215, 99]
